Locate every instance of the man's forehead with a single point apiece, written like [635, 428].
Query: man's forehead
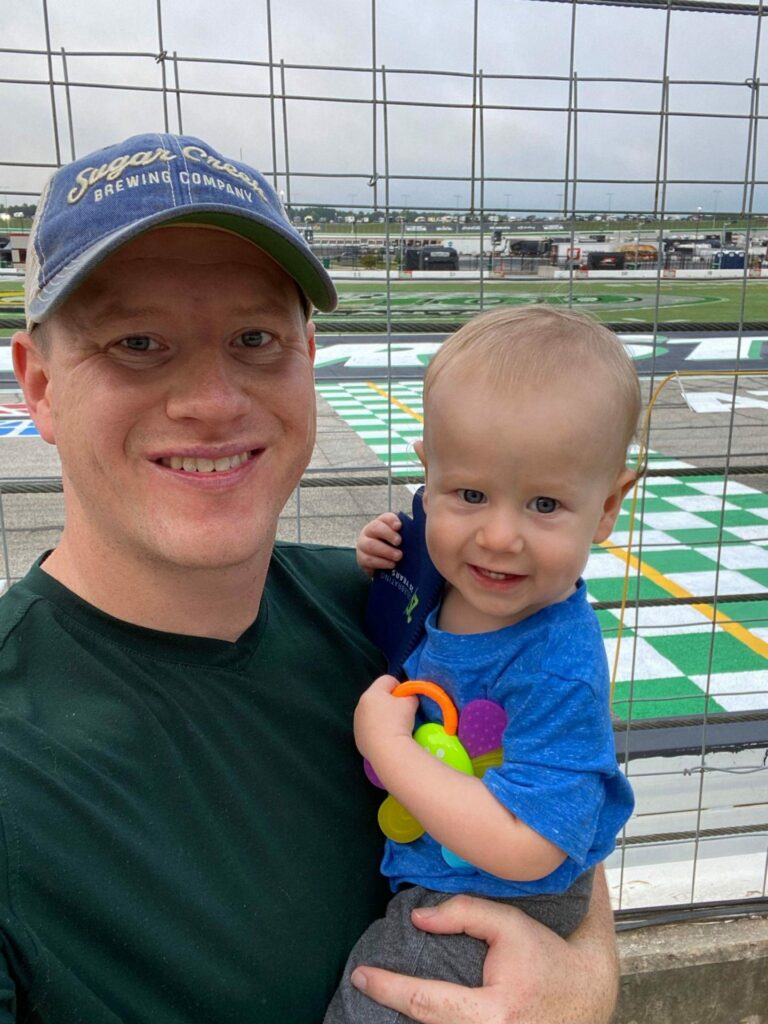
[194, 244]
[91, 308]
[133, 282]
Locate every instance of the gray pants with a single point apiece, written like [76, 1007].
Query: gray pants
[394, 943]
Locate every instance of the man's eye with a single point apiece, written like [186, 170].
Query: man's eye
[471, 497]
[545, 505]
[255, 339]
[138, 343]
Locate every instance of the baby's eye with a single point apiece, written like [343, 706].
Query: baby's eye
[138, 343]
[545, 505]
[255, 339]
[471, 497]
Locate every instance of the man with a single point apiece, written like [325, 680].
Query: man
[183, 812]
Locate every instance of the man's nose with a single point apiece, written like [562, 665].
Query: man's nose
[209, 386]
[500, 531]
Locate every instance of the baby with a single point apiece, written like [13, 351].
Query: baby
[528, 413]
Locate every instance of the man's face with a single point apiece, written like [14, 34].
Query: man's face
[179, 391]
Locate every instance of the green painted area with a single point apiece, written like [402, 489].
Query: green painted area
[661, 698]
[637, 302]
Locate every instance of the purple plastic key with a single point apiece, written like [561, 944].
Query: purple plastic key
[481, 726]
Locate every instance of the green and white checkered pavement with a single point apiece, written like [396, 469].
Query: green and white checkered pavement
[367, 409]
[692, 537]
[689, 538]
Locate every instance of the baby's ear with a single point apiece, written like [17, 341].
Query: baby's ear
[418, 447]
[612, 504]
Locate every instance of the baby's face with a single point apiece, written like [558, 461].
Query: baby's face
[517, 492]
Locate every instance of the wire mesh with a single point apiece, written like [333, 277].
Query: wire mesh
[620, 127]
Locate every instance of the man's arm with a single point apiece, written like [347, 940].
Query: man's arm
[531, 975]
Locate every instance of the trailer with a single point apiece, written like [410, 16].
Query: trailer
[430, 257]
[16, 245]
[639, 254]
[610, 260]
[577, 254]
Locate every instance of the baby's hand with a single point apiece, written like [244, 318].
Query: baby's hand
[380, 718]
[377, 545]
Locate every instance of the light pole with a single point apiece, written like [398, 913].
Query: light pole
[696, 232]
[351, 197]
[457, 198]
[715, 193]
[403, 218]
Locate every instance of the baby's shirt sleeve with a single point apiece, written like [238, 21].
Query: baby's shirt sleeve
[559, 773]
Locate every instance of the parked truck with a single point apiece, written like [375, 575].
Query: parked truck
[430, 257]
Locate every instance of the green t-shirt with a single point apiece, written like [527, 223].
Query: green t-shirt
[187, 833]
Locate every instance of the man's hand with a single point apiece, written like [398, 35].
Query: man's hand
[531, 976]
[378, 544]
[381, 719]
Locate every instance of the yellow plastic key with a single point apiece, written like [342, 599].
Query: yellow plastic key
[397, 823]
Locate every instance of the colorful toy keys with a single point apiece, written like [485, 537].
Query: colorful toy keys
[469, 743]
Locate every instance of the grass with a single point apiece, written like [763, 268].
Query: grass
[633, 302]
[624, 301]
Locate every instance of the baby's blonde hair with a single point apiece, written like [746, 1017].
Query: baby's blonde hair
[534, 345]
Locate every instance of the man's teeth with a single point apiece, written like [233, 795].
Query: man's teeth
[190, 465]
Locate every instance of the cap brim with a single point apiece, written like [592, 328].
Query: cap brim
[308, 272]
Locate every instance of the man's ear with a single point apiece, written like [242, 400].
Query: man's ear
[31, 369]
[612, 504]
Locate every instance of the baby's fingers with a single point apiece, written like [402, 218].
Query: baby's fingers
[378, 543]
[385, 527]
[377, 554]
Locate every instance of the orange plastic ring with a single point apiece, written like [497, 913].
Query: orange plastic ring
[414, 687]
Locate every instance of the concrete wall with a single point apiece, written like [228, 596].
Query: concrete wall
[704, 973]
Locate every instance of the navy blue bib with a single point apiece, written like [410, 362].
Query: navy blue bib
[401, 598]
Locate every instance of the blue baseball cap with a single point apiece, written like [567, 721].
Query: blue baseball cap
[92, 206]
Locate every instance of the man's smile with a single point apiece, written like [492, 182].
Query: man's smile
[197, 464]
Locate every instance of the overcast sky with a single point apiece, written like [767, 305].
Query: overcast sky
[711, 55]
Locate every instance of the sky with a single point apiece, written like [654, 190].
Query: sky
[424, 59]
